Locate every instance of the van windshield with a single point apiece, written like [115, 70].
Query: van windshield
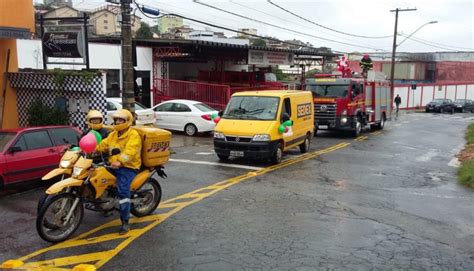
[328, 90]
[252, 107]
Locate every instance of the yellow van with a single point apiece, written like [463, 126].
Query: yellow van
[264, 124]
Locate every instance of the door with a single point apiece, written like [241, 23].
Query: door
[180, 116]
[35, 157]
[162, 117]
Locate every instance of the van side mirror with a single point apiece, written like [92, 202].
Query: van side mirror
[220, 113]
[284, 117]
[14, 149]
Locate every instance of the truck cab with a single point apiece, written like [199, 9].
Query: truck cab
[349, 104]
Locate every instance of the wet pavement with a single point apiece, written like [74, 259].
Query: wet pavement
[388, 200]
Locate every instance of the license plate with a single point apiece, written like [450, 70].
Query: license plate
[323, 127]
[237, 153]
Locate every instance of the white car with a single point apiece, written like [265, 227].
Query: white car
[145, 116]
[185, 115]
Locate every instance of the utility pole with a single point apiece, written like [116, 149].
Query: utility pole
[128, 92]
[394, 48]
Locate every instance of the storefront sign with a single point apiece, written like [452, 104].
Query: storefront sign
[270, 58]
[63, 44]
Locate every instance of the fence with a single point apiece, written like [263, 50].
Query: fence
[424, 93]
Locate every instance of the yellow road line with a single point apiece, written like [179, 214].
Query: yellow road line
[361, 138]
[98, 259]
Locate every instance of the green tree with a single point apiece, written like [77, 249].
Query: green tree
[144, 32]
[280, 75]
[258, 42]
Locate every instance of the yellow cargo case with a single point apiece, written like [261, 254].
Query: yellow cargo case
[155, 145]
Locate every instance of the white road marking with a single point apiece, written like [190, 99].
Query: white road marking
[204, 153]
[427, 156]
[213, 164]
[454, 162]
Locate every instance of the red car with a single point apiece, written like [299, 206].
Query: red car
[29, 153]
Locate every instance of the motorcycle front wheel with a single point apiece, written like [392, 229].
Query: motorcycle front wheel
[150, 196]
[51, 221]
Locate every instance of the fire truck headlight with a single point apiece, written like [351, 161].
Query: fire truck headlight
[343, 120]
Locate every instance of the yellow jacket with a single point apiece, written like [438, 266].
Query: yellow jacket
[130, 145]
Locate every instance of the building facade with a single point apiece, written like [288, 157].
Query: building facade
[167, 22]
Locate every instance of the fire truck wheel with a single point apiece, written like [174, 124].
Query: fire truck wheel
[304, 147]
[357, 129]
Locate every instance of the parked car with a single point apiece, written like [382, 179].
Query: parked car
[185, 115]
[440, 106]
[145, 116]
[464, 105]
[29, 153]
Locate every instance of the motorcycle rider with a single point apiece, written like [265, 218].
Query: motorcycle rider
[95, 121]
[126, 164]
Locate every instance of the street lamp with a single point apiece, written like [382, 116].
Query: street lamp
[423, 25]
[395, 45]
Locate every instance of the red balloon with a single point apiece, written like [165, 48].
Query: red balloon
[88, 143]
[217, 119]
[287, 129]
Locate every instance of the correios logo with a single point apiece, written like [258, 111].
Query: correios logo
[159, 146]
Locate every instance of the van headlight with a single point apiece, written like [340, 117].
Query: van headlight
[77, 171]
[65, 164]
[263, 137]
[219, 135]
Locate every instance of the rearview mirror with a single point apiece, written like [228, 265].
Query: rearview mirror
[115, 151]
[14, 149]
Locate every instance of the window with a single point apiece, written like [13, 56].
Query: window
[5, 138]
[286, 108]
[37, 140]
[252, 107]
[21, 143]
[106, 27]
[167, 107]
[181, 108]
[105, 15]
[204, 108]
[111, 107]
[105, 21]
[63, 136]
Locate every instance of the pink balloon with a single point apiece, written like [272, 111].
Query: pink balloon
[286, 129]
[88, 143]
[217, 119]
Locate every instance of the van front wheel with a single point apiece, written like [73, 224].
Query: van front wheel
[277, 154]
[304, 147]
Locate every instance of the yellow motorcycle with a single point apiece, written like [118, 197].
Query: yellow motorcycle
[66, 164]
[93, 186]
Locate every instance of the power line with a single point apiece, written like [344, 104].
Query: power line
[285, 20]
[428, 44]
[283, 28]
[222, 27]
[439, 44]
[325, 27]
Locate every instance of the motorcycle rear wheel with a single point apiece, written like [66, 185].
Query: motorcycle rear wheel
[150, 193]
[50, 219]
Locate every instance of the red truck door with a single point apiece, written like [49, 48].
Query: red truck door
[34, 157]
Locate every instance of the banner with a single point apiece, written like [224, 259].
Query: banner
[270, 58]
[63, 44]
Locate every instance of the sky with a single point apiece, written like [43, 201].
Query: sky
[372, 18]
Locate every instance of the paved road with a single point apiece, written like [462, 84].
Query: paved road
[386, 200]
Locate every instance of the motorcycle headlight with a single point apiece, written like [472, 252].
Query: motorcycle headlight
[65, 164]
[77, 171]
[263, 137]
[219, 135]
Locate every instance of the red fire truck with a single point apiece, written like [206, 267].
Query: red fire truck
[349, 104]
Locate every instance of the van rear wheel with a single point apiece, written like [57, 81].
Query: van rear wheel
[304, 147]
